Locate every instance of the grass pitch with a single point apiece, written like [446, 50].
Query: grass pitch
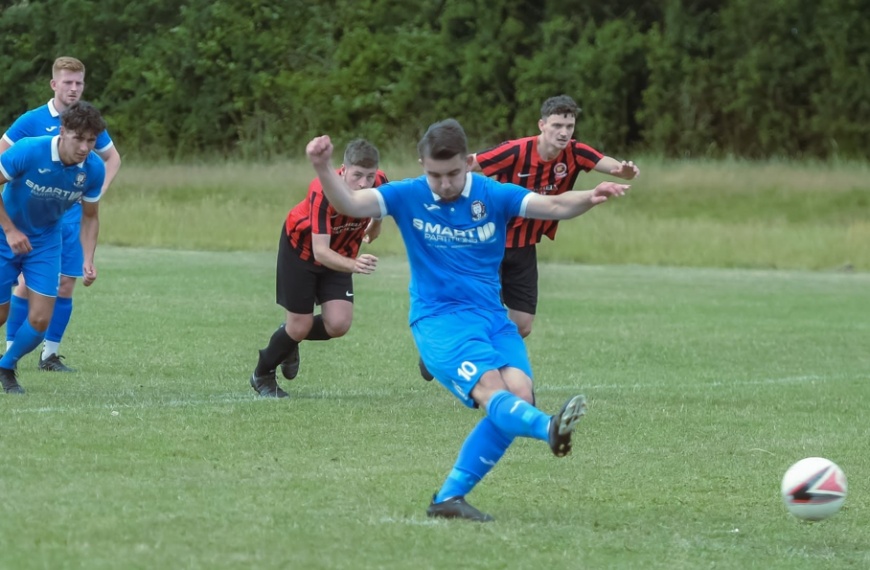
[704, 386]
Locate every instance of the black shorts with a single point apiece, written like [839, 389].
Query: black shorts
[519, 279]
[299, 284]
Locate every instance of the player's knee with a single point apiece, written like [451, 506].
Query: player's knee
[67, 285]
[525, 329]
[336, 328]
[526, 393]
[39, 322]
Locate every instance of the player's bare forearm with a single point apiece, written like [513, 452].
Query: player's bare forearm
[90, 229]
[571, 204]
[112, 160]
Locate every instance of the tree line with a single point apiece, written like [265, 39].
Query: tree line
[257, 78]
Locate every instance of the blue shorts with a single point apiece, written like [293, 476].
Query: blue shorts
[72, 258]
[458, 348]
[40, 267]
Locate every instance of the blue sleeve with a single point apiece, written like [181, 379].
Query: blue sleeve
[391, 195]
[21, 129]
[14, 161]
[104, 142]
[96, 177]
[511, 197]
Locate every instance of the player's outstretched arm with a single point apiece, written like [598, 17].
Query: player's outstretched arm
[358, 203]
[572, 204]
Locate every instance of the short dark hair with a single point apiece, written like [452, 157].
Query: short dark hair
[559, 105]
[443, 140]
[82, 117]
[362, 153]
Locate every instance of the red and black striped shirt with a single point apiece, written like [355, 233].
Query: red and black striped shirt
[315, 215]
[518, 162]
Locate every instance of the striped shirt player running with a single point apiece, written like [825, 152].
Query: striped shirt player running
[318, 252]
[453, 224]
[548, 164]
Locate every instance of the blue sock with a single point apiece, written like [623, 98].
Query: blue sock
[18, 309]
[26, 339]
[482, 449]
[63, 307]
[516, 417]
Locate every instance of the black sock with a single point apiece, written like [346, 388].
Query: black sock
[280, 346]
[318, 330]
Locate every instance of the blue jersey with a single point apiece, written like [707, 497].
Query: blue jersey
[45, 120]
[41, 187]
[454, 248]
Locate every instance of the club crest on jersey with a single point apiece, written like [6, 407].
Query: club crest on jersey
[478, 210]
[80, 180]
[560, 170]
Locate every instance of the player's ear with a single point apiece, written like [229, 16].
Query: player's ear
[469, 161]
[541, 123]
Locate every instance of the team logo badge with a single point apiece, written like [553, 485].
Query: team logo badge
[561, 170]
[80, 179]
[478, 210]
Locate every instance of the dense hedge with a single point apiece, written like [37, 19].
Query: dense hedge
[258, 77]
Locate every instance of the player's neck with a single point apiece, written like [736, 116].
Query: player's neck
[59, 105]
[545, 151]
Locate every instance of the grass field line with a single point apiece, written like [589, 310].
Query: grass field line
[224, 399]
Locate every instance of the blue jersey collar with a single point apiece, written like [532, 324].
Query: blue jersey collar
[52, 109]
[465, 191]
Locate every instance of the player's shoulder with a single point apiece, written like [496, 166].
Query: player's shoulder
[507, 145]
[579, 147]
[484, 185]
[94, 163]
[37, 116]
[32, 144]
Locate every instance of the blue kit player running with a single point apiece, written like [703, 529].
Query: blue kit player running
[45, 177]
[68, 83]
[454, 224]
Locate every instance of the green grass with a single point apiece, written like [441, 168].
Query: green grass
[704, 386]
[789, 215]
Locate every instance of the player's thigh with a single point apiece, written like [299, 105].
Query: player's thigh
[72, 257]
[519, 279]
[10, 268]
[295, 280]
[41, 269]
[334, 286]
[457, 349]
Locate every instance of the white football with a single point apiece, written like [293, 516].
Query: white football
[814, 488]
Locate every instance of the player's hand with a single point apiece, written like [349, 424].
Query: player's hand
[18, 242]
[90, 274]
[319, 150]
[607, 190]
[626, 170]
[366, 263]
[372, 231]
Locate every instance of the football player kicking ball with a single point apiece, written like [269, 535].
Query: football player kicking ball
[454, 224]
[45, 177]
[318, 253]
